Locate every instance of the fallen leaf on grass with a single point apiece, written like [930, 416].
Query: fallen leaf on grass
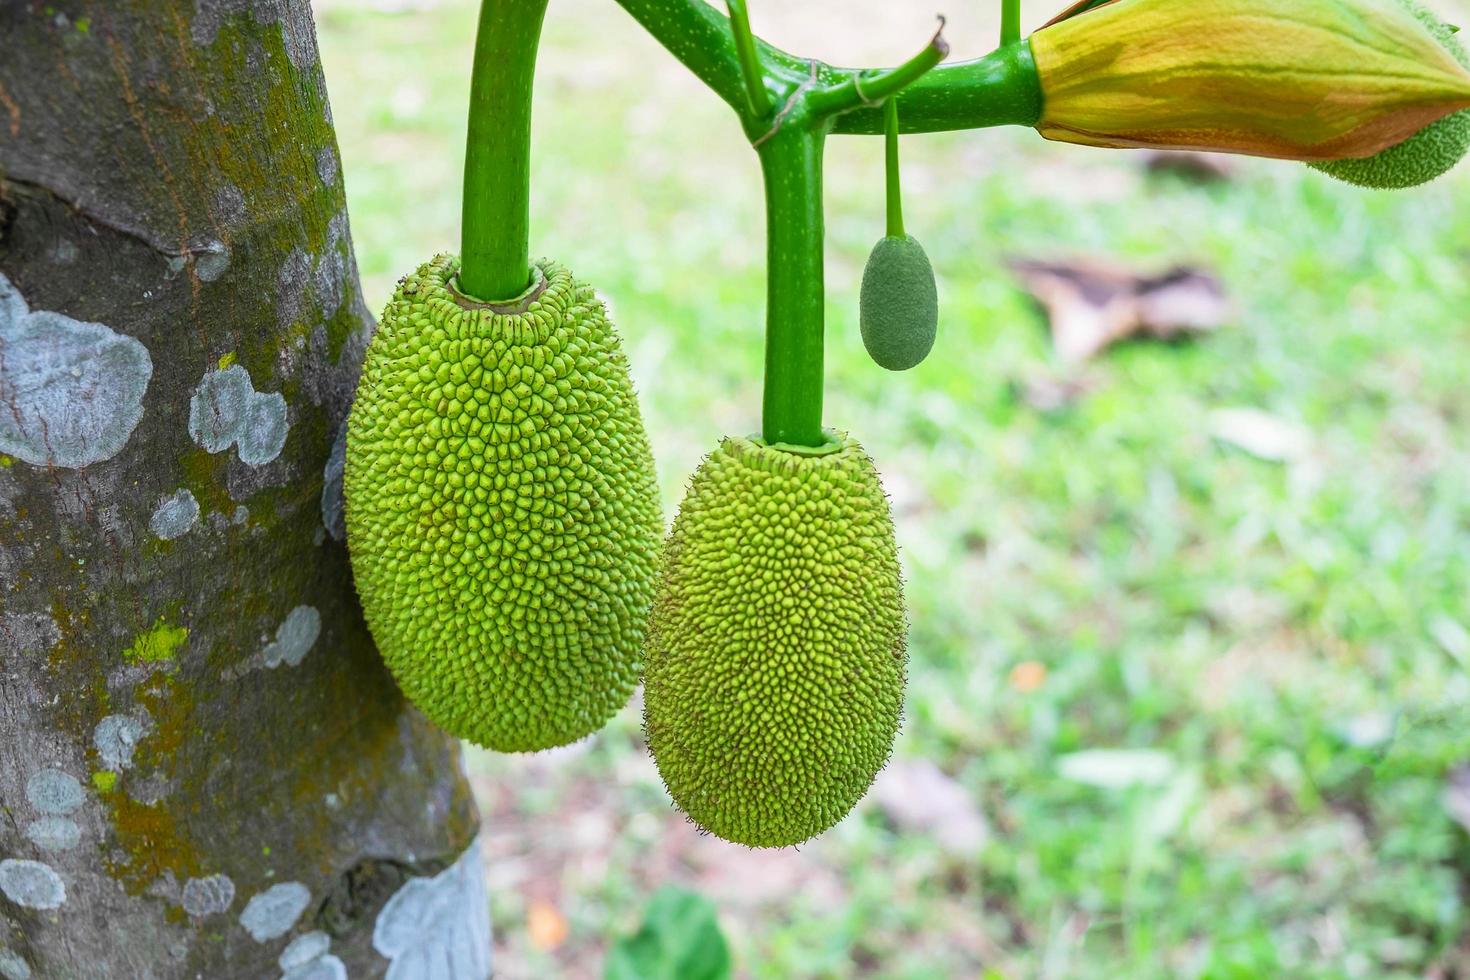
[740, 877]
[1367, 731]
[1049, 393]
[545, 924]
[918, 797]
[1028, 676]
[1263, 436]
[1452, 638]
[1457, 795]
[1117, 768]
[1092, 303]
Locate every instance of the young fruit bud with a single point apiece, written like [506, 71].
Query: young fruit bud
[1428, 153]
[1295, 79]
[899, 304]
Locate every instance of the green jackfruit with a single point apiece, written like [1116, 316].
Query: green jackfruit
[775, 663]
[1429, 153]
[899, 303]
[502, 511]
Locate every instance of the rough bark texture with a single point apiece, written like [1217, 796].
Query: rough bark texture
[201, 758]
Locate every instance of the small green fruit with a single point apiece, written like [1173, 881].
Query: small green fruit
[502, 512]
[775, 662]
[1429, 153]
[899, 304]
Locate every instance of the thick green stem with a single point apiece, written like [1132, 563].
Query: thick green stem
[891, 178]
[495, 229]
[1000, 89]
[791, 161]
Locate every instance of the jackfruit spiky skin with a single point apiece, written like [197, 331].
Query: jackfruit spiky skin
[899, 303]
[1429, 153]
[502, 512]
[774, 671]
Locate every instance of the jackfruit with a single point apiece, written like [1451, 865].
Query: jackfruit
[898, 304]
[775, 664]
[1429, 153]
[502, 511]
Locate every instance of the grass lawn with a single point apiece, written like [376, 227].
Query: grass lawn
[1275, 653]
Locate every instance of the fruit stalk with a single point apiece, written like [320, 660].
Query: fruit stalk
[496, 216]
[750, 63]
[891, 176]
[791, 162]
[1010, 22]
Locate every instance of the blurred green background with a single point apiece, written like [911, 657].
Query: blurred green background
[1176, 709]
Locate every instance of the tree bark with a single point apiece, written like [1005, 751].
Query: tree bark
[204, 769]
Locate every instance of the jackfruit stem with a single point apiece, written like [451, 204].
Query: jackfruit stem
[1010, 22]
[791, 162]
[890, 160]
[496, 212]
[750, 64]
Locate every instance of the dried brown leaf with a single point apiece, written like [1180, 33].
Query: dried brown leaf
[919, 797]
[1092, 303]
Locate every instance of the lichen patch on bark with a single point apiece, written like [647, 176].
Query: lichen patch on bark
[174, 515]
[438, 927]
[71, 392]
[159, 643]
[226, 411]
[12, 967]
[208, 895]
[271, 914]
[54, 791]
[115, 738]
[294, 637]
[31, 884]
[53, 833]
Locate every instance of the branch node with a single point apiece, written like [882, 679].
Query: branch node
[790, 105]
[871, 89]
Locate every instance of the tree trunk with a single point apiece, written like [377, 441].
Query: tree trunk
[202, 759]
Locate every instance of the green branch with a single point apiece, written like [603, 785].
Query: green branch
[872, 89]
[701, 39]
[1000, 89]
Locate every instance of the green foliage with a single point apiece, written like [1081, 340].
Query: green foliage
[680, 939]
[502, 510]
[1429, 153]
[899, 303]
[774, 674]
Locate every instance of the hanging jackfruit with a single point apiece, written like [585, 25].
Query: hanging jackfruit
[775, 662]
[502, 511]
[1427, 154]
